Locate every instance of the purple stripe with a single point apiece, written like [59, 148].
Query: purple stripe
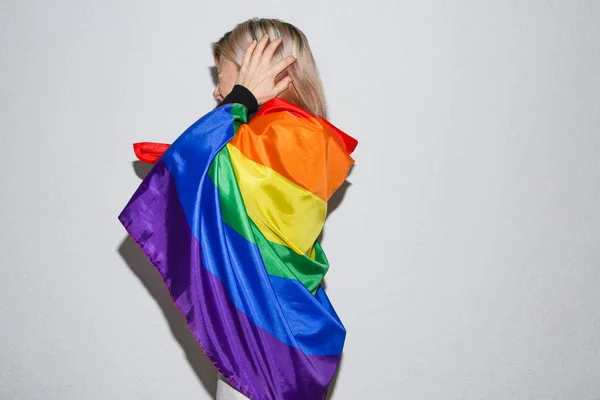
[255, 362]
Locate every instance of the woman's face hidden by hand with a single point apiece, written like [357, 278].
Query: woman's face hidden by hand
[226, 76]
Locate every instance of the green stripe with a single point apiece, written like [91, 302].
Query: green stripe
[279, 260]
[239, 114]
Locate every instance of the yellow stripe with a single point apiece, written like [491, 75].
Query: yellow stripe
[284, 212]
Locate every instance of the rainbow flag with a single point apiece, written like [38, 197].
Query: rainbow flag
[229, 216]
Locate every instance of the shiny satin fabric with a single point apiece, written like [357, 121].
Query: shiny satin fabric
[229, 217]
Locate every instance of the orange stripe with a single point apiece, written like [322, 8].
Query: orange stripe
[304, 150]
[278, 105]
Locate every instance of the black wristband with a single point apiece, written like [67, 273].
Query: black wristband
[241, 95]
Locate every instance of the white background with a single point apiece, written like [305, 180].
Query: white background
[465, 255]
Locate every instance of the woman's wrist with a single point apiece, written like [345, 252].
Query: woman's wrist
[241, 95]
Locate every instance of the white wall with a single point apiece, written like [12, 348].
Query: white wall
[465, 254]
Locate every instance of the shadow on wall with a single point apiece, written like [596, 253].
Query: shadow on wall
[212, 71]
[334, 202]
[147, 274]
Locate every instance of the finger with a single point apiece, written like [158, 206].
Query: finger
[281, 86]
[249, 51]
[270, 50]
[260, 47]
[283, 64]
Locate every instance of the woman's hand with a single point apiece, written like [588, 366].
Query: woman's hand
[258, 72]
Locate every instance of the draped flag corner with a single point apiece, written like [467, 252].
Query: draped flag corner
[229, 216]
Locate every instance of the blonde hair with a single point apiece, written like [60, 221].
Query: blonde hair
[306, 90]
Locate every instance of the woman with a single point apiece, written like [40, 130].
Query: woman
[231, 211]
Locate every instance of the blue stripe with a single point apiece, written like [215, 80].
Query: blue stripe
[317, 328]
